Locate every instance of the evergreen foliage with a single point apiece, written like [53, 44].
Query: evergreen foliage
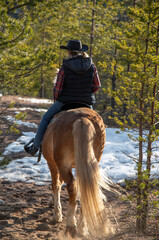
[138, 91]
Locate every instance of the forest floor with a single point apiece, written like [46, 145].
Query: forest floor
[24, 207]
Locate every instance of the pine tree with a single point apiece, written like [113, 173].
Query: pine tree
[139, 92]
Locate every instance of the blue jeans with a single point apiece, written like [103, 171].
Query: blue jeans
[54, 109]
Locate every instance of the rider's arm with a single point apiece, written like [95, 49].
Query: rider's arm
[96, 81]
[59, 83]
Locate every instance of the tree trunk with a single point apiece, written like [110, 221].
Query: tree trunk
[150, 141]
[42, 89]
[42, 86]
[114, 78]
[139, 170]
[141, 204]
[114, 84]
[92, 29]
[124, 104]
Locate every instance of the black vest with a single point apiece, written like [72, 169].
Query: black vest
[78, 81]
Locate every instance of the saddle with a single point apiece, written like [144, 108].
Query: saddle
[73, 105]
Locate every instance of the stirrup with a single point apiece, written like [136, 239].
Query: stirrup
[32, 140]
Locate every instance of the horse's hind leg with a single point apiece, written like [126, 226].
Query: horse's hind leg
[71, 212]
[82, 226]
[56, 187]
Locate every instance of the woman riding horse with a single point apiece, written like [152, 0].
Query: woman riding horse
[76, 139]
[77, 81]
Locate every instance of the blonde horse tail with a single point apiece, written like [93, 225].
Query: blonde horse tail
[88, 178]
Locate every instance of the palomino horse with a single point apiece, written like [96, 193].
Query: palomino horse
[76, 138]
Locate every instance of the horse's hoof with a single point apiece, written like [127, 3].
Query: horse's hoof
[71, 231]
[56, 219]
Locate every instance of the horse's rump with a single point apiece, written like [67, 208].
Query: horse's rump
[60, 131]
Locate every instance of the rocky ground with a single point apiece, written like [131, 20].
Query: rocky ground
[25, 212]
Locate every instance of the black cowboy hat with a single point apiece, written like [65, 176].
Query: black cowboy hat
[75, 45]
